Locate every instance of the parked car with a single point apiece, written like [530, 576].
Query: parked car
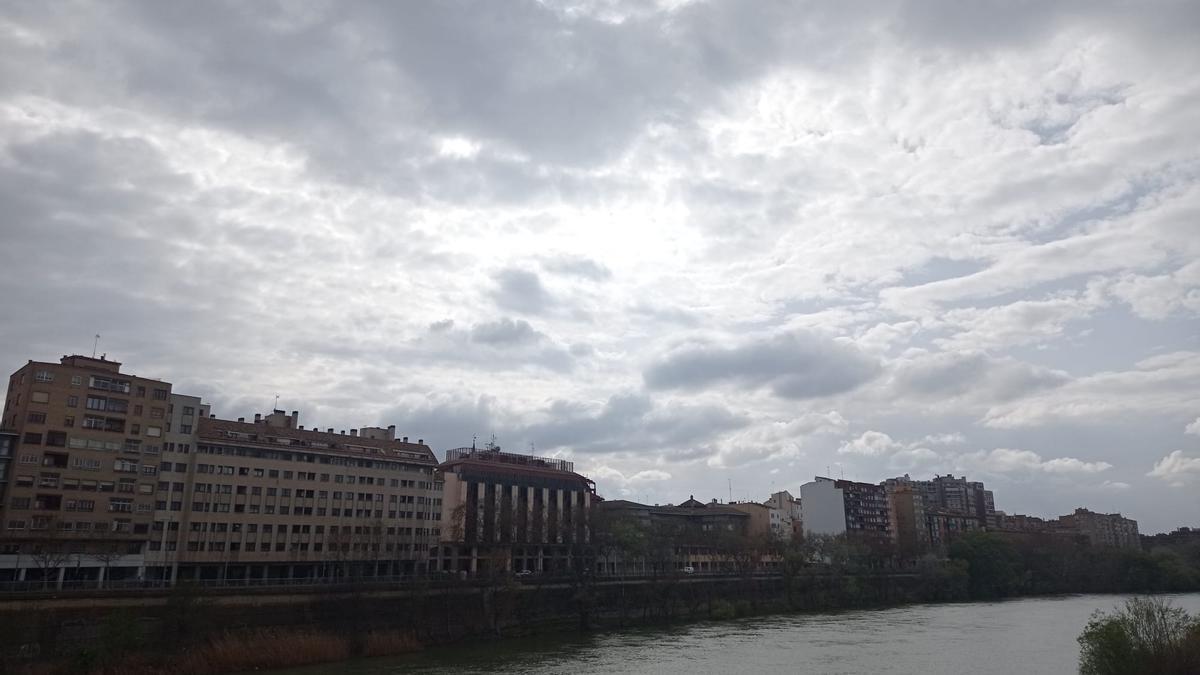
[689, 570]
[524, 573]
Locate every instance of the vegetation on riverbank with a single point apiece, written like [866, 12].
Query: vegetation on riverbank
[1147, 636]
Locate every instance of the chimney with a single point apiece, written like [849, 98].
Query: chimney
[391, 432]
[241, 419]
[295, 418]
[420, 441]
[329, 430]
[343, 432]
[354, 432]
[257, 417]
[406, 439]
[213, 416]
[301, 427]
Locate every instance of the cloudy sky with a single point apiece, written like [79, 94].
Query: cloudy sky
[690, 245]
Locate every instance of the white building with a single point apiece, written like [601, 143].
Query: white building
[823, 507]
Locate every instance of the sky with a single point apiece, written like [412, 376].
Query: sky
[701, 248]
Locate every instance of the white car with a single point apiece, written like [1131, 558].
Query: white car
[689, 570]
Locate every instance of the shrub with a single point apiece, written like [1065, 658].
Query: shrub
[1147, 636]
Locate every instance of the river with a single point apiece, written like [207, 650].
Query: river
[1035, 635]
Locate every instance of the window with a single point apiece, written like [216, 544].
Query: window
[137, 410]
[36, 417]
[160, 394]
[43, 376]
[16, 524]
[76, 380]
[56, 439]
[135, 429]
[120, 505]
[154, 432]
[32, 438]
[72, 401]
[156, 413]
[21, 503]
[39, 397]
[185, 428]
[188, 411]
[141, 392]
[68, 421]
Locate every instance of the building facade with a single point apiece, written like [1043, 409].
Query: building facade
[1102, 529]
[83, 471]
[508, 512]
[693, 535]
[858, 510]
[269, 498]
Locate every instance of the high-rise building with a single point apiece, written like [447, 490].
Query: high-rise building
[1104, 529]
[858, 510]
[84, 468]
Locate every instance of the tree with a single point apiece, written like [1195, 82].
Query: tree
[993, 564]
[1147, 635]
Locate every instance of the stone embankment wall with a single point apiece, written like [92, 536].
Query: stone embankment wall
[72, 629]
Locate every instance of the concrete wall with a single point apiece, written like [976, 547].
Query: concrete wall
[823, 507]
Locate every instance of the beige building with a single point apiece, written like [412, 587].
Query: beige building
[80, 496]
[268, 498]
[508, 512]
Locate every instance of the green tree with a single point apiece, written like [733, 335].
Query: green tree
[1147, 635]
[994, 567]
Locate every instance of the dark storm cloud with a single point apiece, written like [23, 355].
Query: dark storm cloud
[793, 366]
[521, 291]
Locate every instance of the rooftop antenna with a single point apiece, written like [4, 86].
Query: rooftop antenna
[474, 437]
[276, 407]
[95, 344]
[730, 489]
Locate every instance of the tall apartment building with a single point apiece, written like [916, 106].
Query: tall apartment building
[858, 510]
[83, 470]
[1104, 529]
[269, 498]
[504, 511]
[909, 521]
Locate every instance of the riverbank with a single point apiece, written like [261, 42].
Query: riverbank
[187, 632]
[195, 634]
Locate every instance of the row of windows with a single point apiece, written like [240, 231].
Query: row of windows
[55, 503]
[42, 523]
[54, 480]
[310, 458]
[335, 531]
[289, 510]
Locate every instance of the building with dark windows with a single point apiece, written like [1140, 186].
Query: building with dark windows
[690, 534]
[508, 512]
[268, 498]
[79, 502]
[860, 511]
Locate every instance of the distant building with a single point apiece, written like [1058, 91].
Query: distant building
[504, 511]
[858, 510]
[1103, 529]
[786, 516]
[763, 521]
[908, 518]
[692, 534]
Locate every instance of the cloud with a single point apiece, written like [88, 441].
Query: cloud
[1176, 468]
[794, 366]
[628, 423]
[1193, 428]
[949, 378]
[1006, 460]
[521, 291]
[577, 266]
[870, 444]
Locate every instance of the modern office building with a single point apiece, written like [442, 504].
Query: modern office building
[502, 511]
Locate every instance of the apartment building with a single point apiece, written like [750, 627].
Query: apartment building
[908, 518]
[84, 463]
[786, 516]
[1102, 529]
[268, 498]
[504, 511]
[691, 534]
[858, 510]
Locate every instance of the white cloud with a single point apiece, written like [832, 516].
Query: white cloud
[1176, 468]
[1007, 460]
[870, 444]
[1193, 428]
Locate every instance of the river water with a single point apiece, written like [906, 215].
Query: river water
[1017, 636]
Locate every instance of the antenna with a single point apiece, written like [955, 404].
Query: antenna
[95, 344]
[730, 489]
[276, 406]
